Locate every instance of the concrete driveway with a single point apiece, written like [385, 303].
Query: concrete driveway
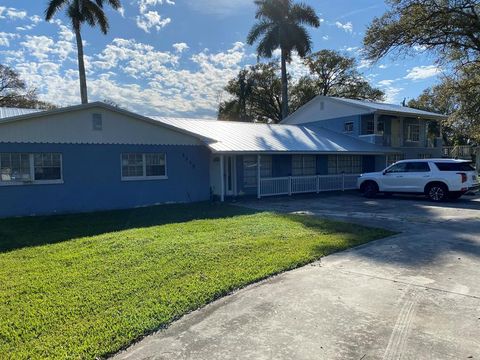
[412, 296]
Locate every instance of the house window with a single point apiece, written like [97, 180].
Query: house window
[37, 168]
[348, 126]
[393, 158]
[149, 166]
[347, 164]
[413, 132]
[97, 122]
[304, 165]
[47, 166]
[250, 169]
[370, 126]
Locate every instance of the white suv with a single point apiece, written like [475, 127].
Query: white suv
[438, 179]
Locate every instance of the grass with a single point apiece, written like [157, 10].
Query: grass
[85, 286]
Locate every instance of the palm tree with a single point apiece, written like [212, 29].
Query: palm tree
[80, 12]
[281, 25]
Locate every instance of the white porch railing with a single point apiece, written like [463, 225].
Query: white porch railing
[306, 184]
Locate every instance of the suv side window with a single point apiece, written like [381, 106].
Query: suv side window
[398, 168]
[418, 167]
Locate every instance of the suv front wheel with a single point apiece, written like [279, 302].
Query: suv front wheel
[437, 192]
[369, 189]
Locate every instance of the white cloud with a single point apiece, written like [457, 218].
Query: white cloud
[149, 18]
[347, 27]
[152, 19]
[180, 47]
[422, 72]
[386, 82]
[325, 37]
[12, 13]
[364, 64]
[122, 11]
[143, 5]
[6, 37]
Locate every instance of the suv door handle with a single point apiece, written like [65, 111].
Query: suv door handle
[426, 176]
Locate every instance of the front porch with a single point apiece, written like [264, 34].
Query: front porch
[262, 175]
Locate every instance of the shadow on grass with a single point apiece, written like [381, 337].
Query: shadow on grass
[17, 233]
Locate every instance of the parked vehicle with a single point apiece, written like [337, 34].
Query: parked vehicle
[438, 179]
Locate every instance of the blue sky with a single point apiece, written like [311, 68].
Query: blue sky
[173, 57]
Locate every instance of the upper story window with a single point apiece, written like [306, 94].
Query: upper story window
[413, 132]
[148, 166]
[36, 168]
[348, 126]
[370, 126]
[304, 165]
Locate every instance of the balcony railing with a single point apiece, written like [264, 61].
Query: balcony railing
[458, 152]
[290, 185]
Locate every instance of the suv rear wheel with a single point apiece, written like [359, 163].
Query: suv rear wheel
[437, 192]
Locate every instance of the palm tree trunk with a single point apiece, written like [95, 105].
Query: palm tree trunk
[81, 64]
[284, 85]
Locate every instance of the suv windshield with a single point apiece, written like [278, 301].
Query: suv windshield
[453, 166]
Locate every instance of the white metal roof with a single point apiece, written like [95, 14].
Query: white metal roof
[389, 108]
[229, 136]
[6, 112]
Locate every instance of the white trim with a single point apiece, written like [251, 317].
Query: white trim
[144, 166]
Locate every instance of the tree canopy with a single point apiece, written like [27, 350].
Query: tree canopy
[14, 92]
[448, 27]
[255, 93]
[332, 74]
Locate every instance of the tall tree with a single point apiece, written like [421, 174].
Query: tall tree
[80, 12]
[14, 92]
[451, 28]
[332, 74]
[255, 95]
[281, 26]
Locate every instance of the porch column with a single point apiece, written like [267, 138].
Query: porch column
[222, 179]
[402, 132]
[258, 176]
[375, 123]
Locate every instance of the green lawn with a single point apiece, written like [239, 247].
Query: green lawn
[82, 286]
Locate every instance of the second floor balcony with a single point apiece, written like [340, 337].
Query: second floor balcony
[400, 132]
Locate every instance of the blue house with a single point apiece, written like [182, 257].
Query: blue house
[98, 157]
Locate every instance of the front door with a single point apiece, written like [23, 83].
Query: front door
[230, 176]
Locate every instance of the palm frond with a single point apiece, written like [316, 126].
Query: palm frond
[95, 15]
[300, 40]
[53, 7]
[257, 30]
[269, 43]
[304, 14]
